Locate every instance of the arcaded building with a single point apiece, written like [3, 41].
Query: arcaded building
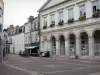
[71, 28]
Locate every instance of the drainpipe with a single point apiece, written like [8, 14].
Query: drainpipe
[39, 32]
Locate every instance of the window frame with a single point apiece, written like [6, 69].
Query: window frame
[81, 9]
[97, 7]
[62, 18]
[72, 14]
[52, 16]
[45, 21]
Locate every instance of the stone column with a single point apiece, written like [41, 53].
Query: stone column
[91, 52]
[41, 46]
[49, 46]
[78, 47]
[67, 47]
[57, 47]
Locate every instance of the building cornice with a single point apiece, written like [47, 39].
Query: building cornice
[71, 27]
[78, 2]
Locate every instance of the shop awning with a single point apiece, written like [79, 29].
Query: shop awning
[31, 47]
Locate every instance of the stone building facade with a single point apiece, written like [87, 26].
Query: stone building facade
[16, 39]
[32, 36]
[71, 28]
[1, 29]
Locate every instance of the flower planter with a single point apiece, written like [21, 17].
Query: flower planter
[70, 20]
[96, 15]
[52, 25]
[44, 27]
[61, 23]
[82, 18]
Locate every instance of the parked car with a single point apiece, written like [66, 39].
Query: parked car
[46, 54]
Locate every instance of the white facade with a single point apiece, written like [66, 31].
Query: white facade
[31, 33]
[75, 38]
[17, 43]
[35, 36]
[27, 33]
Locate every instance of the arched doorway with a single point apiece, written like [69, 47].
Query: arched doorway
[72, 45]
[96, 36]
[53, 45]
[62, 45]
[84, 44]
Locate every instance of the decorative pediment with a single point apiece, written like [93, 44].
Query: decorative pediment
[50, 3]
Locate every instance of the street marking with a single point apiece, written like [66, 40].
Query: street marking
[91, 61]
[74, 63]
[70, 70]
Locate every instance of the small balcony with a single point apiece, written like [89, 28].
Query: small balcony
[61, 23]
[96, 14]
[71, 20]
[81, 18]
[52, 24]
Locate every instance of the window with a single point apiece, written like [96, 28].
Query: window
[95, 5]
[36, 25]
[82, 10]
[26, 39]
[45, 21]
[70, 13]
[29, 28]
[60, 16]
[53, 19]
[29, 39]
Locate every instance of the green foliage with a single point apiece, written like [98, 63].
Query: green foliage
[81, 18]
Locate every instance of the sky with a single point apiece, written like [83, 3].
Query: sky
[16, 12]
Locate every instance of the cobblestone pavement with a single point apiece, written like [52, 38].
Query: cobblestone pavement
[54, 66]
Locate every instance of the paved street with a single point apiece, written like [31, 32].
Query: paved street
[50, 66]
[6, 70]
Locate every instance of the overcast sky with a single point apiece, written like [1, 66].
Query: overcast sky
[16, 12]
